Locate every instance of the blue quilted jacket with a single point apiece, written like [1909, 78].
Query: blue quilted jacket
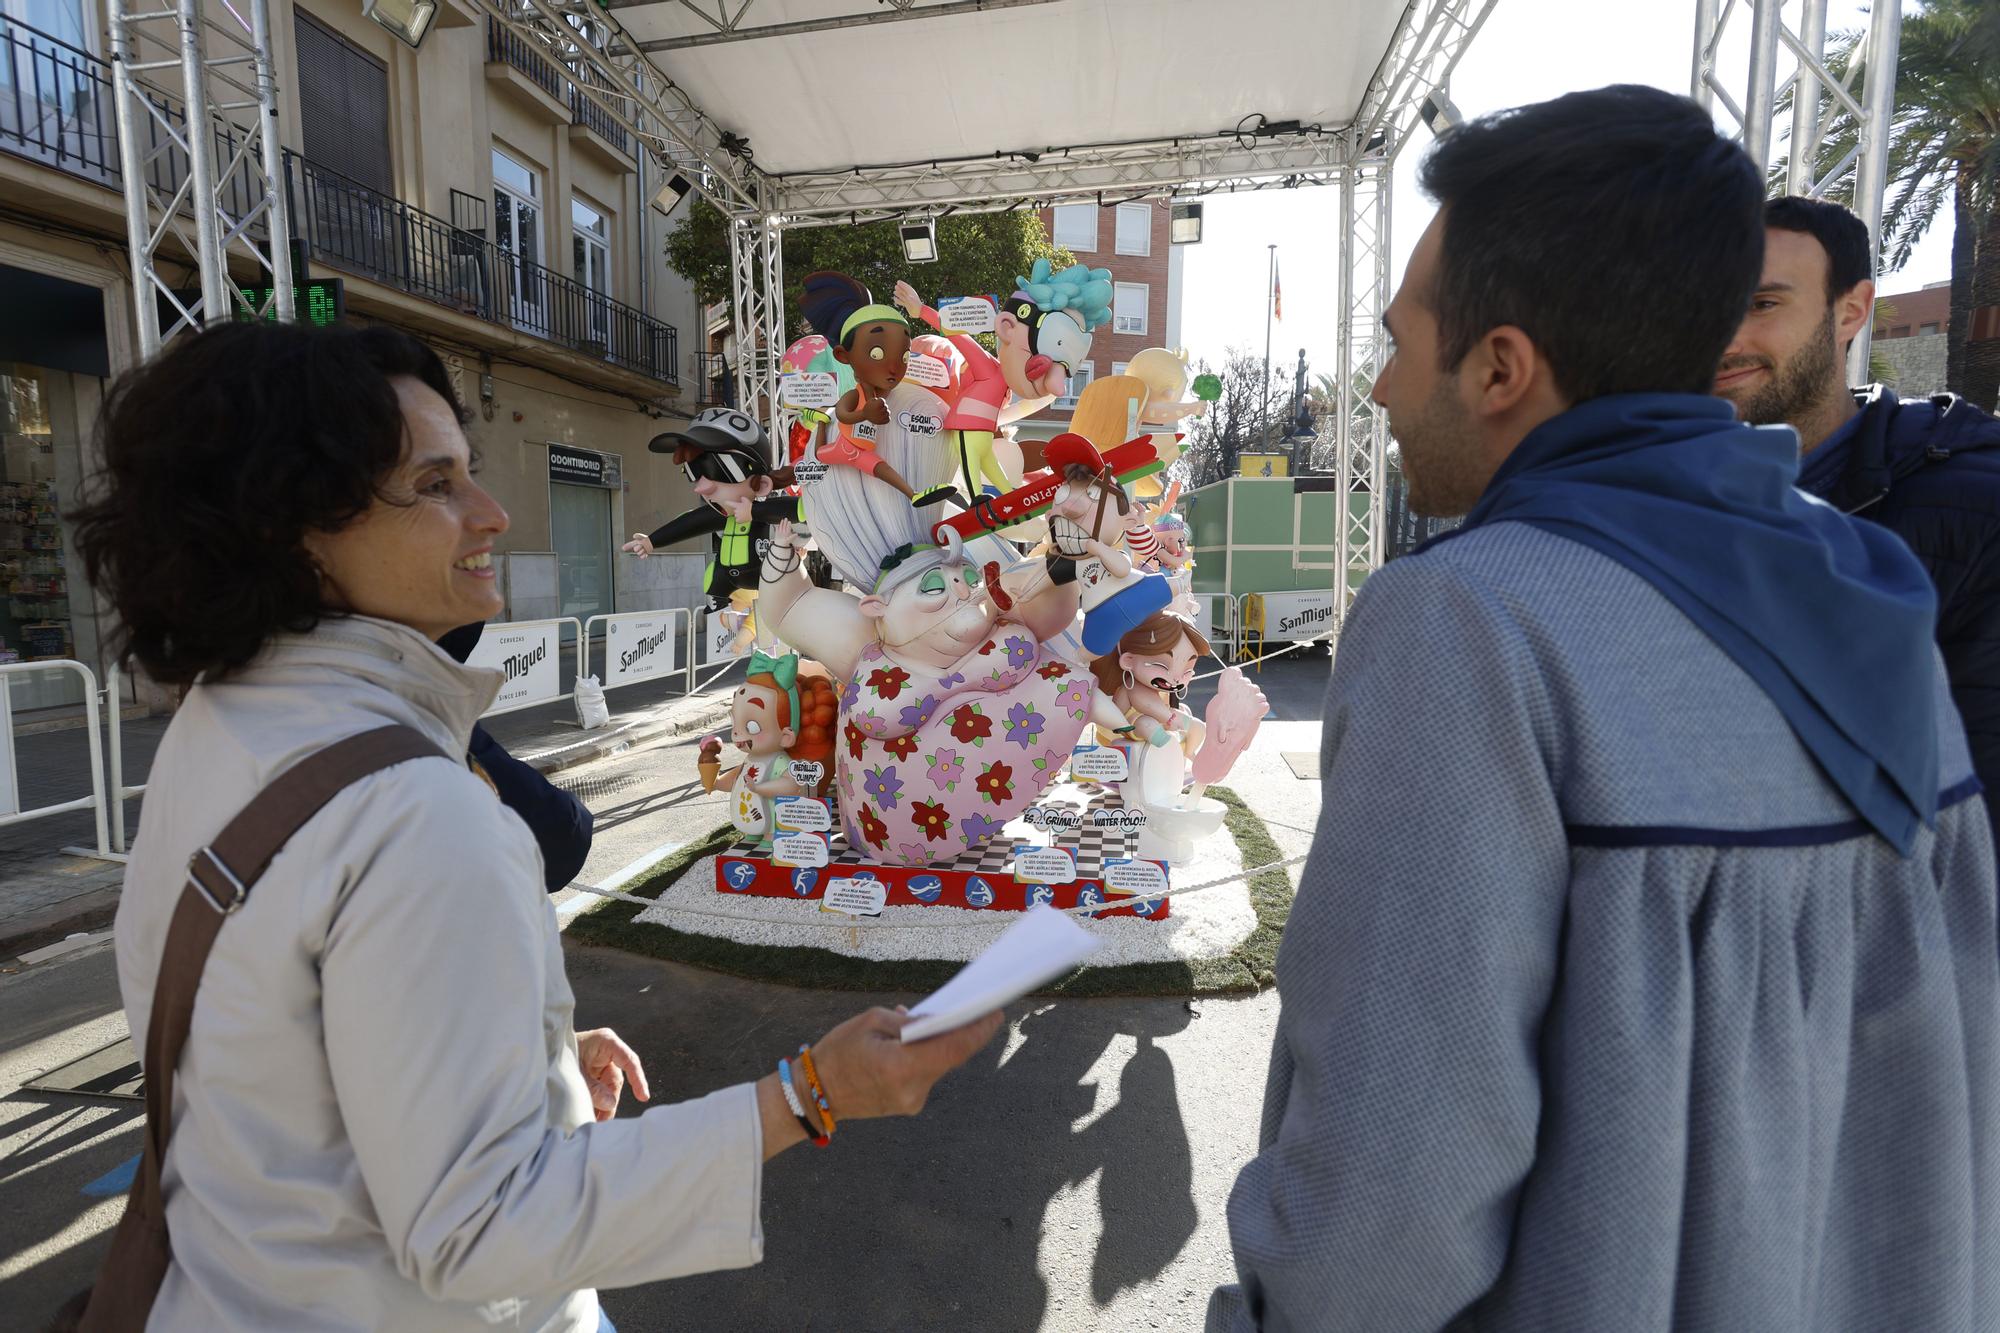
[1929, 471]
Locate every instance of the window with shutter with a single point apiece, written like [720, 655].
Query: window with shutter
[343, 106]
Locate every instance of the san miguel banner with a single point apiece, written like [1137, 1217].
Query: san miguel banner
[527, 653]
[1298, 615]
[642, 646]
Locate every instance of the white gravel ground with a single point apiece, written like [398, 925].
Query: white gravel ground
[1202, 925]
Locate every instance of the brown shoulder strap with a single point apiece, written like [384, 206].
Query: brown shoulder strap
[220, 877]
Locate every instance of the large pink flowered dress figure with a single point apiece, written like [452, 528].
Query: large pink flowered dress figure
[932, 763]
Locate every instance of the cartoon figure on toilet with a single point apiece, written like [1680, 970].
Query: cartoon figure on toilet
[1146, 677]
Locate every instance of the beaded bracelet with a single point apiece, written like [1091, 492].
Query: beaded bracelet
[813, 1084]
[798, 1107]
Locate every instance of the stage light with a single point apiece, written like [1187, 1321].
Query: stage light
[1440, 113]
[410, 20]
[676, 189]
[919, 240]
[1184, 226]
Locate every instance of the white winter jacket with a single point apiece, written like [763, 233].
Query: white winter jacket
[379, 1118]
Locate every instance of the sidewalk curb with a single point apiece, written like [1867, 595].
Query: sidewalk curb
[623, 736]
[88, 911]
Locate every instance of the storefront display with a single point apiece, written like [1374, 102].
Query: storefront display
[34, 587]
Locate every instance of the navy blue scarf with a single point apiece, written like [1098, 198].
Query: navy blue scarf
[1831, 617]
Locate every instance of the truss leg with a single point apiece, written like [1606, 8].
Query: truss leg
[757, 269]
[1811, 84]
[1363, 442]
[186, 153]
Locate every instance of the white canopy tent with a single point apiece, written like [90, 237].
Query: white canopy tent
[789, 113]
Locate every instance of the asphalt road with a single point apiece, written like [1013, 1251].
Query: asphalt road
[1073, 1177]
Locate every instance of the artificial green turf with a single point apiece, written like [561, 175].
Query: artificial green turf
[1247, 967]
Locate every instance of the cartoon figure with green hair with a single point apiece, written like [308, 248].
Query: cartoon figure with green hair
[1044, 333]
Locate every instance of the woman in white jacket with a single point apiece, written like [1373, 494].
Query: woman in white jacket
[383, 1118]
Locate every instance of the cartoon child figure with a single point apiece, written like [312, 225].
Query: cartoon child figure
[779, 714]
[1044, 333]
[727, 459]
[874, 342]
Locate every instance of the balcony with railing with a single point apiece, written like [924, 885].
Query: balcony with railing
[503, 47]
[350, 226]
[57, 107]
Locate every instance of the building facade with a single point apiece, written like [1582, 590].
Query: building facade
[459, 190]
[1909, 339]
[1130, 239]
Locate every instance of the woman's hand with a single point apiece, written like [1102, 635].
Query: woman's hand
[607, 1062]
[641, 545]
[867, 1071]
[907, 298]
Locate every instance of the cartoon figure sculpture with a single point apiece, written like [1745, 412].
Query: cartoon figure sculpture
[1044, 334]
[727, 458]
[874, 342]
[953, 718]
[1088, 546]
[1165, 404]
[810, 355]
[1157, 537]
[1146, 678]
[783, 712]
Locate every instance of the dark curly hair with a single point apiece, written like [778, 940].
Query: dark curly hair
[218, 457]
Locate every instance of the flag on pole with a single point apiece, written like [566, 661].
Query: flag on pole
[1277, 294]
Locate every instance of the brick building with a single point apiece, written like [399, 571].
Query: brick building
[1130, 239]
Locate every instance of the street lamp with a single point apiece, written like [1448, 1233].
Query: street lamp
[410, 20]
[919, 240]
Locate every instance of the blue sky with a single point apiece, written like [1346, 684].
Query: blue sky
[1528, 51]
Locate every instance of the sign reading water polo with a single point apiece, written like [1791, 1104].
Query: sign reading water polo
[641, 646]
[1297, 615]
[526, 653]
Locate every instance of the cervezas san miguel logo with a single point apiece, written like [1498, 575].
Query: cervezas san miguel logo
[518, 665]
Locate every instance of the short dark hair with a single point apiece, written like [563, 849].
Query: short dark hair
[1842, 235]
[1615, 227]
[219, 456]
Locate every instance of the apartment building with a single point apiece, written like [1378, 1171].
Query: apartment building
[1130, 239]
[461, 191]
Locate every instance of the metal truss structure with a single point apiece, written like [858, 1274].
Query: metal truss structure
[757, 283]
[1818, 98]
[214, 158]
[1362, 440]
[606, 65]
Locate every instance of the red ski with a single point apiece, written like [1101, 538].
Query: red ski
[1129, 461]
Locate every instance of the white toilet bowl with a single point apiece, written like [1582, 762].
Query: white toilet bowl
[1173, 825]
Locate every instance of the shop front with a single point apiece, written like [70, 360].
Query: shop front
[54, 365]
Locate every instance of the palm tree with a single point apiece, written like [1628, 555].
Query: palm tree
[1944, 141]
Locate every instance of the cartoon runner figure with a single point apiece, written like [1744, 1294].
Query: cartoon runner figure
[874, 342]
[727, 457]
[1044, 334]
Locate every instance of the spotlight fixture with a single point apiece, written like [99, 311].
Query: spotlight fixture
[919, 240]
[1184, 225]
[676, 189]
[1440, 113]
[410, 20]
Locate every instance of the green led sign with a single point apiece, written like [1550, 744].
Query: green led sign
[318, 301]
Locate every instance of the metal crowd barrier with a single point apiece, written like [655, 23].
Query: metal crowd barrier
[10, 802]
[642, 639]
[530, 653]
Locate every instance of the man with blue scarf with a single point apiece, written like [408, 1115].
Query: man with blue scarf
[1644, 974]
[1927, 469]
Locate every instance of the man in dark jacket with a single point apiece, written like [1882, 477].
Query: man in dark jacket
[1928, 470]
[561, 823]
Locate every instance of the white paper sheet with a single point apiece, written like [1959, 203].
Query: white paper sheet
[1038, 948]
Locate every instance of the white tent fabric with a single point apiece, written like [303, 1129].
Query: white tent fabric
[1031, 78]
